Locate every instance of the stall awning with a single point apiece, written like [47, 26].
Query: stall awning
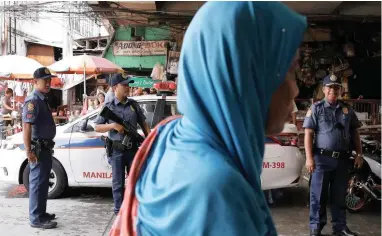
[72, 80]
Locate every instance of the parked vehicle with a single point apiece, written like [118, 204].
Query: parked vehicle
[365, 184]
[80, 158]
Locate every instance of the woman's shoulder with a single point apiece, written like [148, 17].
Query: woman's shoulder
[207, 170]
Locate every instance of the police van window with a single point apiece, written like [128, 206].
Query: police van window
[148, 108]
[77, 127]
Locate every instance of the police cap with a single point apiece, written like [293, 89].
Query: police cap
[331, 80]
[120, 78]
[42, 73]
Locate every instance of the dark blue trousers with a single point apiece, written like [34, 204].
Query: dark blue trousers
[39, 186]
[330, 178]
[120, 164]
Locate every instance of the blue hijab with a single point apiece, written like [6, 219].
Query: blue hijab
[202, 176]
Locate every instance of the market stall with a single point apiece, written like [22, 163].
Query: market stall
[17, 72]
[82, 68]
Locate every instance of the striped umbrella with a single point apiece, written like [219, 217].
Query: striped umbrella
[17, 67]
[86, 65]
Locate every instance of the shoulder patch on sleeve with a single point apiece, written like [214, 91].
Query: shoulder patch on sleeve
[30, 106]
[309, 113]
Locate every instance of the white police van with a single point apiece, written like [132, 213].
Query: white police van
[80, 157]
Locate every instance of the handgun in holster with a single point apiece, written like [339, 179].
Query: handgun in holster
[108, 145]
[38, 145]
[36, 148]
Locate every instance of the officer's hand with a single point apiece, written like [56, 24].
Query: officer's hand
[31, 157]
[119, 128]
[309, 164]
[358, 162]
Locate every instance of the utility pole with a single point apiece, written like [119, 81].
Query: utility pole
[1, 28]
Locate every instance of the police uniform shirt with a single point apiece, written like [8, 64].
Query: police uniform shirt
[37, 112]
[333, 125]
[126, 111]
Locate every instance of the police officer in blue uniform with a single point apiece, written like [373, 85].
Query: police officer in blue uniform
[39, 130]
[330, 131]
[121, 155]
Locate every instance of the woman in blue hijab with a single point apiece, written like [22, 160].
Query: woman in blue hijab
[202, 173]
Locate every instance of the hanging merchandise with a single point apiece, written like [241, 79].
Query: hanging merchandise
[345, 88]
[157, 72]
[340, 65]
[307, 68]
[172, 63]
[18, 89]
[349, 50]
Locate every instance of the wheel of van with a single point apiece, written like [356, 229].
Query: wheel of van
[57, 179]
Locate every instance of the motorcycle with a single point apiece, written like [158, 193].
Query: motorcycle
[364, 184]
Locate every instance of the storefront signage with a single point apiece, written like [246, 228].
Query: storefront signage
[143, 82]
[139, 48]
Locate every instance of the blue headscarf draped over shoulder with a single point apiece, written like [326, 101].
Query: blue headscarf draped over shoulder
[203, 175]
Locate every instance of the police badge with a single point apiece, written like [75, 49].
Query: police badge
[333, 78]
[47, 71]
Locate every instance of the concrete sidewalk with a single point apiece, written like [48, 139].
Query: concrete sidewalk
[89, 212]
[78, 217]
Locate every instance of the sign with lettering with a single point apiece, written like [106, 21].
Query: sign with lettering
[140, 48]
[143, 82]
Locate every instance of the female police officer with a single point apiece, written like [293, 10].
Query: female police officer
[333, 124]
[38, 131]
[121, 156]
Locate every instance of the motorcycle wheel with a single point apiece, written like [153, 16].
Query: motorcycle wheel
[356, 198]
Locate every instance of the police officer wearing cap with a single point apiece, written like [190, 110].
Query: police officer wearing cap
[121, 155]
[39, 130]
[330, 131]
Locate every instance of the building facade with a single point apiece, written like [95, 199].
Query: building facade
[45, 31]
[128, 49]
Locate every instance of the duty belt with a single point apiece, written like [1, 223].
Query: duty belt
[45, 143]
[333, 154]
[117, 145]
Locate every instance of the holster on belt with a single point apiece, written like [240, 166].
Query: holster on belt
[119, 146]
[37, 145]
[108, 145]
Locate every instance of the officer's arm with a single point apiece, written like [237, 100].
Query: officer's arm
[310, 124]
[102, 126]
[354, 125]
[142, 121]
[29, 116]
[145, 128]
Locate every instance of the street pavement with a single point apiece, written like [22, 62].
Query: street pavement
[88, 211]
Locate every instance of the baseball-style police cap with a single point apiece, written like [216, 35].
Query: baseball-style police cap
[120, 79]
[42, 73]
[331, 80]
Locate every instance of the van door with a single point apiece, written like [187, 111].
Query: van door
[88, 155]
